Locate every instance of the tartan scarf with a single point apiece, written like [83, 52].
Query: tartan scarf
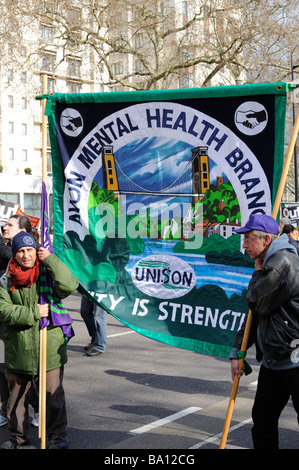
[23, 277]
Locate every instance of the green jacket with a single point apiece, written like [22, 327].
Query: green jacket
[20, 316]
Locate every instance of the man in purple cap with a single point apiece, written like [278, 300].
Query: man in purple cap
[273, 298]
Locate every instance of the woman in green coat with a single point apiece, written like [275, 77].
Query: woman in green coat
[20, 314]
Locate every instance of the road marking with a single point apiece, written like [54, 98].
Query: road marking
[168, 419]
[120, 334]
[218, 436]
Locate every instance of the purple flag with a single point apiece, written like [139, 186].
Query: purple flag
[45, 227]
[58, 313]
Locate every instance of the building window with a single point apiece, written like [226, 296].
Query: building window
[10, 197]
[47, 33]
[206, 25]
[49, 162]
[24, 129]
[50, 85]
[74, 67]
[48, 62]
[118, 88]
[11, 128]
[24, 155]
[139, 41]
[24, 103]
[24, 77]
[32, 203]
[139, 66]
[74, 87]
[49, 6]
[10, 75]
[10, 101]
[117, 68]
[11, 154]
[48, 138]
[185, 80]
[74, 16]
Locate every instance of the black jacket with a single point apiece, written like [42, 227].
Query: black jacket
[295, 243]
[273, 298]
[5, 256]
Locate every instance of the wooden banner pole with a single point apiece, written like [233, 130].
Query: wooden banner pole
[43, 332]
[249, 318]
[235, 386]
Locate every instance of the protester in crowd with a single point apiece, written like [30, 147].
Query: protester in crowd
[36, 235]
[15, 224]
[273, 298]
[5, 255]
[95, 319]
[284, 221]
[20, 313]
[290, 231]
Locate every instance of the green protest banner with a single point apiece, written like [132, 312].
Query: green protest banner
[148, 188]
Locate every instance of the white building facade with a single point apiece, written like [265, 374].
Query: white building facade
[72, 69]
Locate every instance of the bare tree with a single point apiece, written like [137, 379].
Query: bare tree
[155, 44]
[151, 44]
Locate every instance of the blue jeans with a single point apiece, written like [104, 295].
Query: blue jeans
[95, 319]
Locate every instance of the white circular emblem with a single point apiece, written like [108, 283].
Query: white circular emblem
[251, 118]
[163, 276]
[71, 122]
[28, 240]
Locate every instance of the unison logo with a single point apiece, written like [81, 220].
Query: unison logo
[163, 276]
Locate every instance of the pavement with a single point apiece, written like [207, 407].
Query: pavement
[145, 396]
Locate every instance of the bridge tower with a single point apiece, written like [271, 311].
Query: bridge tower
[200, 172]
[109, 170]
